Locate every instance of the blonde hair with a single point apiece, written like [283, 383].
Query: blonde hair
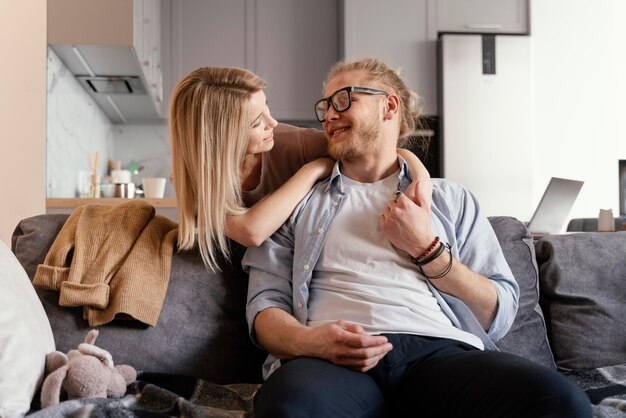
[379, 73]
[208, 122]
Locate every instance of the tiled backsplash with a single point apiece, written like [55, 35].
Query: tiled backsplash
[149, 146]
[77, 128]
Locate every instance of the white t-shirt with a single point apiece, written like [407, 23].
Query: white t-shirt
[361, 278]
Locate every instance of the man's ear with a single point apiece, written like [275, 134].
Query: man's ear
[392, 105]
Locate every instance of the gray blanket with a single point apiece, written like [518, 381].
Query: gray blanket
[161, 395]
[606, 388]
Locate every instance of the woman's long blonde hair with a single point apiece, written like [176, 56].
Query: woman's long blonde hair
[209, 125]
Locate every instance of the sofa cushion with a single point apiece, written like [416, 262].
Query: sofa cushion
[583, 285]
[25, 337]
[527, 336]
[201, 330]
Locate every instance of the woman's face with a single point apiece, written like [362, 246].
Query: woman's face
[261, 132]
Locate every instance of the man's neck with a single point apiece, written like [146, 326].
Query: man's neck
[371, 168]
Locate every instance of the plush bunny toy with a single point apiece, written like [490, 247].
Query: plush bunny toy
[84, 373]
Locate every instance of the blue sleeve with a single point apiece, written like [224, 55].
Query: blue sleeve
[270, 275]
[476, 245]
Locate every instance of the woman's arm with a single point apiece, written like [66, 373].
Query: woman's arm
[264, 218]
[420, 176]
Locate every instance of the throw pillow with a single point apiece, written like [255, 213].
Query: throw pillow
[25, 337]
[527, 336]
[583, 293]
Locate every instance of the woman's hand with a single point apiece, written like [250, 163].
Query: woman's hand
[320, 168]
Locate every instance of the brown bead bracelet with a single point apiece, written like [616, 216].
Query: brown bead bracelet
[428, 250]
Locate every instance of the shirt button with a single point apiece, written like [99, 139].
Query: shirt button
[299, 305]
[306, 266]
[335, 204]
[321, 230]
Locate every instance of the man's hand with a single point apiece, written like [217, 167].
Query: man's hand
[406, 221]
[340, 342]
[347, 345]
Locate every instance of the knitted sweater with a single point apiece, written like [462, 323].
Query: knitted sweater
[113, 260]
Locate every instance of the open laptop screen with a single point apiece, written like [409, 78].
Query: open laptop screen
[554, 206]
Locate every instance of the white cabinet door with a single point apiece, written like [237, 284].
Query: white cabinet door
[482, 16]
[289, 43]
[208, 33]
[400, 33]
[296, 44]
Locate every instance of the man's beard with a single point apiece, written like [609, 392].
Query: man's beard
[362, 140]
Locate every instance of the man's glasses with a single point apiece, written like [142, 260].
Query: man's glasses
[341, 100]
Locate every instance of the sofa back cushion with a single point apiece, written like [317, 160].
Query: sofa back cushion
[201, 330]
[527, 337]
[583, 285]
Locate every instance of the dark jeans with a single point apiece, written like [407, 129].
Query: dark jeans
[425, 377]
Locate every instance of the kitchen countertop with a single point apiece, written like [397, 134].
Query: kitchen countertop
[68, 202]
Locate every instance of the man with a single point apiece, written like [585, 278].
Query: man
[371, 303]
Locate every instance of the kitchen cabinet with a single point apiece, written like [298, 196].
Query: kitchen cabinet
[482, 16]
[147, 43]
[114, 49]
[402, 33]
[291, 44]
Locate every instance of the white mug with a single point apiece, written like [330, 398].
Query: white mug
[154, 188]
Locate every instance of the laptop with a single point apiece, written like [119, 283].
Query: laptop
[554, 207]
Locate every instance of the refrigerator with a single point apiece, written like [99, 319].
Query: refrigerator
[485, 96]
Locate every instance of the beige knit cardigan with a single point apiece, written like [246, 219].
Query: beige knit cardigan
[114, 261]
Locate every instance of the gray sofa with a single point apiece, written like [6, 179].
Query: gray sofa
[572, 316]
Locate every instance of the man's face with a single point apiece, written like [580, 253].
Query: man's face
[354, 133]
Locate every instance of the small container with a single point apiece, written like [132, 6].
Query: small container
[107, 190]
[121, 176]
[126, 190]
[605, 221]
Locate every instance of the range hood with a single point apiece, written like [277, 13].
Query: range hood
[112, 76]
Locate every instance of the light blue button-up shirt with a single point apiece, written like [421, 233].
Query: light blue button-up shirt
[281, 268]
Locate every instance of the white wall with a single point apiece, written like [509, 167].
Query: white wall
[22, 112]
[579, 71]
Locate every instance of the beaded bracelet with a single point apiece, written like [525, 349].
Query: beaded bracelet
[430, 257]
[446, 270]
[427, 251]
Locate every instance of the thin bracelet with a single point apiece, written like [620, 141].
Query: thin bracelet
[447, 269]
[431, 257]
[427, 251]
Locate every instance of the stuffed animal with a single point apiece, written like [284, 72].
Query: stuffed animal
[87, 372]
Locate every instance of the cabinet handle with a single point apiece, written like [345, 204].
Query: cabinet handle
[493, 26]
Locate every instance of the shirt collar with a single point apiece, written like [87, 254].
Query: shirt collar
[336, 182]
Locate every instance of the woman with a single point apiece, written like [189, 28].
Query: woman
[237, 173]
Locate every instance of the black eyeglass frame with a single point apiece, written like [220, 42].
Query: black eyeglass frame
[350, 89]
